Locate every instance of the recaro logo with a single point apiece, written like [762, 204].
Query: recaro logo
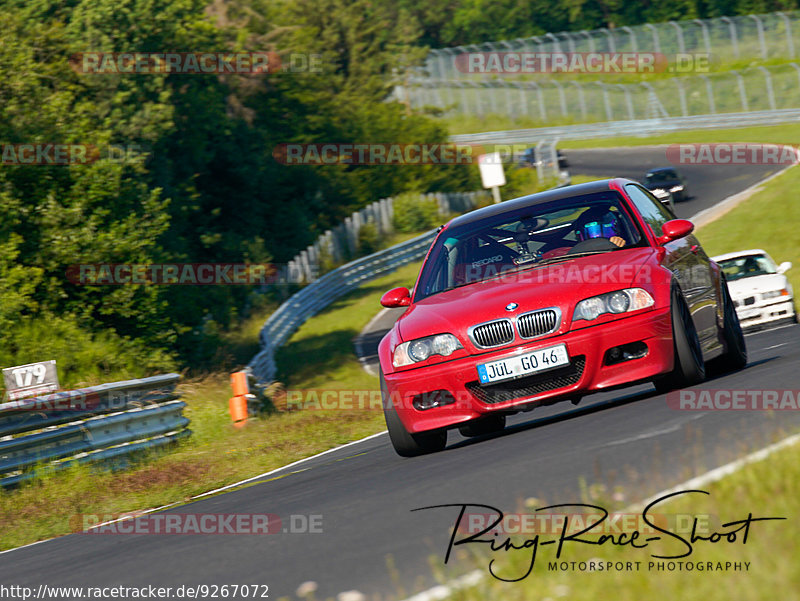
[488, 260]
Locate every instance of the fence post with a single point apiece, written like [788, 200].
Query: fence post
[734, 36]
[509, 103]
[628, 101]
[492, 96]
[522, 97]
[742, 91]
[444, 67]
[351, 235]
[629, 31]
[562, 99]
[556, 44]
[710, 92]
[682, 97]
[612, 46]
[656, 41]
[760, 30]
[589, 38]
[770, 90]
[706, 38]
[679, 32]
[796, 67]
[606, 101]
[581, 99]
[570, 41]
[540, 100]
[789, 40]
[539, 161]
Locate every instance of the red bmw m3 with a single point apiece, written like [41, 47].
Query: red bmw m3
[547, 298]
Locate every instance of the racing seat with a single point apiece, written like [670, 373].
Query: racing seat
[483, 262]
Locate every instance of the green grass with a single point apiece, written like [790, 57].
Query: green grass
[766, 488]
[769, 220]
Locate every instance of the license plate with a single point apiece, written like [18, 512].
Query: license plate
[523, 365]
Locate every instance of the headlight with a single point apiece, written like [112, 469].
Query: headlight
[774, 293]
[622, 301]
[678, 188]
[660, 193]
[420, 349]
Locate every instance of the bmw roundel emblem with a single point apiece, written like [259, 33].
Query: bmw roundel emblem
[511, 306]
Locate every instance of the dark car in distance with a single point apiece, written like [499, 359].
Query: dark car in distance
[665, 182]
[529, 159]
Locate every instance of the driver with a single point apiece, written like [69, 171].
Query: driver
[599, 222]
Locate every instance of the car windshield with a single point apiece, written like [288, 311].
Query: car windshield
[747, 266]
[527, 237]
[661, 176]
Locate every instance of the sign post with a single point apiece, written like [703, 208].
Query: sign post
[492, 174]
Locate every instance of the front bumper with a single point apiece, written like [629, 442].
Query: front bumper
[761, 314]
[588, 372]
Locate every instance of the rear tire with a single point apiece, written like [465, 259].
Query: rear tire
[689, 365]
[406, 444]
[488, 424]
[735, 356]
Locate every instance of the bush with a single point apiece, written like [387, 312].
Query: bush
[413, 213]
[521, 181]
[369, 240]
[83, 358]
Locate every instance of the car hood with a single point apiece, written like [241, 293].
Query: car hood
[754, 284]
[559, 285]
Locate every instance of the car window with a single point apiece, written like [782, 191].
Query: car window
[653, 212]
[747, 266]
[523, 238]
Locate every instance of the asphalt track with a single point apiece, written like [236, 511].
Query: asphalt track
[707, 184]
[372, 542]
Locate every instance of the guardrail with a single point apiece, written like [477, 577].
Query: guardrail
[640, 128]
[95, 424]
[341, 242]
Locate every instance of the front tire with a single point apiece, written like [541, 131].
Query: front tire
[689, 367]
[406, 444]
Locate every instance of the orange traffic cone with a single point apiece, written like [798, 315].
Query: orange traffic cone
[238, 403]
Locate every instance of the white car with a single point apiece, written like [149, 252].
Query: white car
[760, 292]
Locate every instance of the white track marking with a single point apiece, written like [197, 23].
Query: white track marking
[130, 514]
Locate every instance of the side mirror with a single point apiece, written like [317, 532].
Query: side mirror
[396, 297]
[675, 229]
[784, 267]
